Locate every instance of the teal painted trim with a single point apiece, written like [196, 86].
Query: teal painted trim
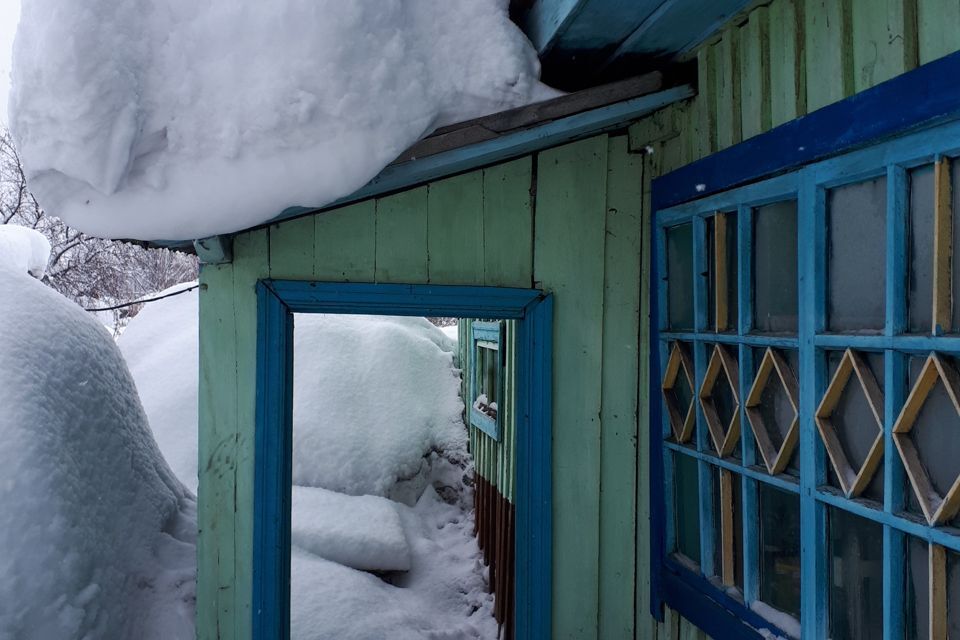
[272, 454]
[277, 301]
[546, 20]
[783, 482]
[752, 340]
[907, 343]
[486, 335]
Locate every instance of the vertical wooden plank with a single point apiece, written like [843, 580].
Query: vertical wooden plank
[937, 571]
[884, 40]
[828, 52]
[402, 237]
[568, 261]
[689, 631]
[508, 224]
[754, 65]
[942, 248]
[726, 528]
[706, 103]
[787, 64]
[455, 230]
[938, 23]
[291, 249]
[217, 444]
[621, 327]
[345, 244]
[250, 263]
[646, 625]
[720, 285]
[725, 59]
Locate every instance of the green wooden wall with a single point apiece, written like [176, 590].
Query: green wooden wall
[571, 220]
[566, 220]
[779, 61]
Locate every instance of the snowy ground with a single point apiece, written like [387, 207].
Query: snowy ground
[382, 523]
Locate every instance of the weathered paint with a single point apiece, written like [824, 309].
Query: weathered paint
[544, 222]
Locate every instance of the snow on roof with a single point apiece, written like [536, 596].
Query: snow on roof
[165, 119]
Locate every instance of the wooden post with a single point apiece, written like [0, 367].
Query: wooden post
[721, 275]
[728, 574]
[942, 249]
[937, 571]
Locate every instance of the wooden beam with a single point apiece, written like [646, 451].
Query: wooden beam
[728, 571]
[721, 274]
[942, 248]
[937, 573]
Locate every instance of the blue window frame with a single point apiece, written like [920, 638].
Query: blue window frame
[277, 301]
[486, 377]
[750, 505]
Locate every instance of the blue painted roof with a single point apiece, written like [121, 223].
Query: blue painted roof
[583, 42]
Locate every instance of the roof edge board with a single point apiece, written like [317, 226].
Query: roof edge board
[507, 146]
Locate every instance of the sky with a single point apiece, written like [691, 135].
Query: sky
[9, 16]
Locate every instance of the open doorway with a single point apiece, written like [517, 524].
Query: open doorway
[406, 523]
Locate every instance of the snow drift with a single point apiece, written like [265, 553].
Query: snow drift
[98, 536]
[180, 119]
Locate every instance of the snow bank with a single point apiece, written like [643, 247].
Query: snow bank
[98, 536]
[23, 250]
[180, 119]
[160, 346]
[444, 596]
[372, 397]
[362, 532]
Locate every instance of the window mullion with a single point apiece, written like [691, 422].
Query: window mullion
[811, 232]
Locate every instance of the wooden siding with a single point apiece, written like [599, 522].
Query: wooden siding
[541, 221]
[781, 61]
[562, 220]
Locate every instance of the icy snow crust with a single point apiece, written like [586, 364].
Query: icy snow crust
[161, 348]
[23, 250]
[179, 119]
[98, 539]
[372, 395]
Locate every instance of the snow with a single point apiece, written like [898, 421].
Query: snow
[177, 119]
[23, 250]
[160, 346]
[784, 621]
[372, 396]
[382, 394]
[99, 539]
[362, 532]
[452, 332]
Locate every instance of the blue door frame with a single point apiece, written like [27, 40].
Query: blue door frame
[277, 301]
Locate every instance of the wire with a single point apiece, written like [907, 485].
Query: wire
[144, 300]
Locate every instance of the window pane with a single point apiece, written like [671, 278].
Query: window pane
[680, 277]
[936, 435]
[725, 404]
[854, 423]
[775, 407]
[780, 549]
[856, 256]
[686, 506]
[775, 267]
[856, 577]
[916, 589]
[920, 275]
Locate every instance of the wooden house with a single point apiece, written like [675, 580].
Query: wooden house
[725, 262]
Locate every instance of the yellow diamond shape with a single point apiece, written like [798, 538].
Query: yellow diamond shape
[853, 481]
[936, 508]
[773, 367]
[724, 437]
[681, 418]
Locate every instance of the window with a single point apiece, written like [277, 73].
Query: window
[809, 365]
[488, 362]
